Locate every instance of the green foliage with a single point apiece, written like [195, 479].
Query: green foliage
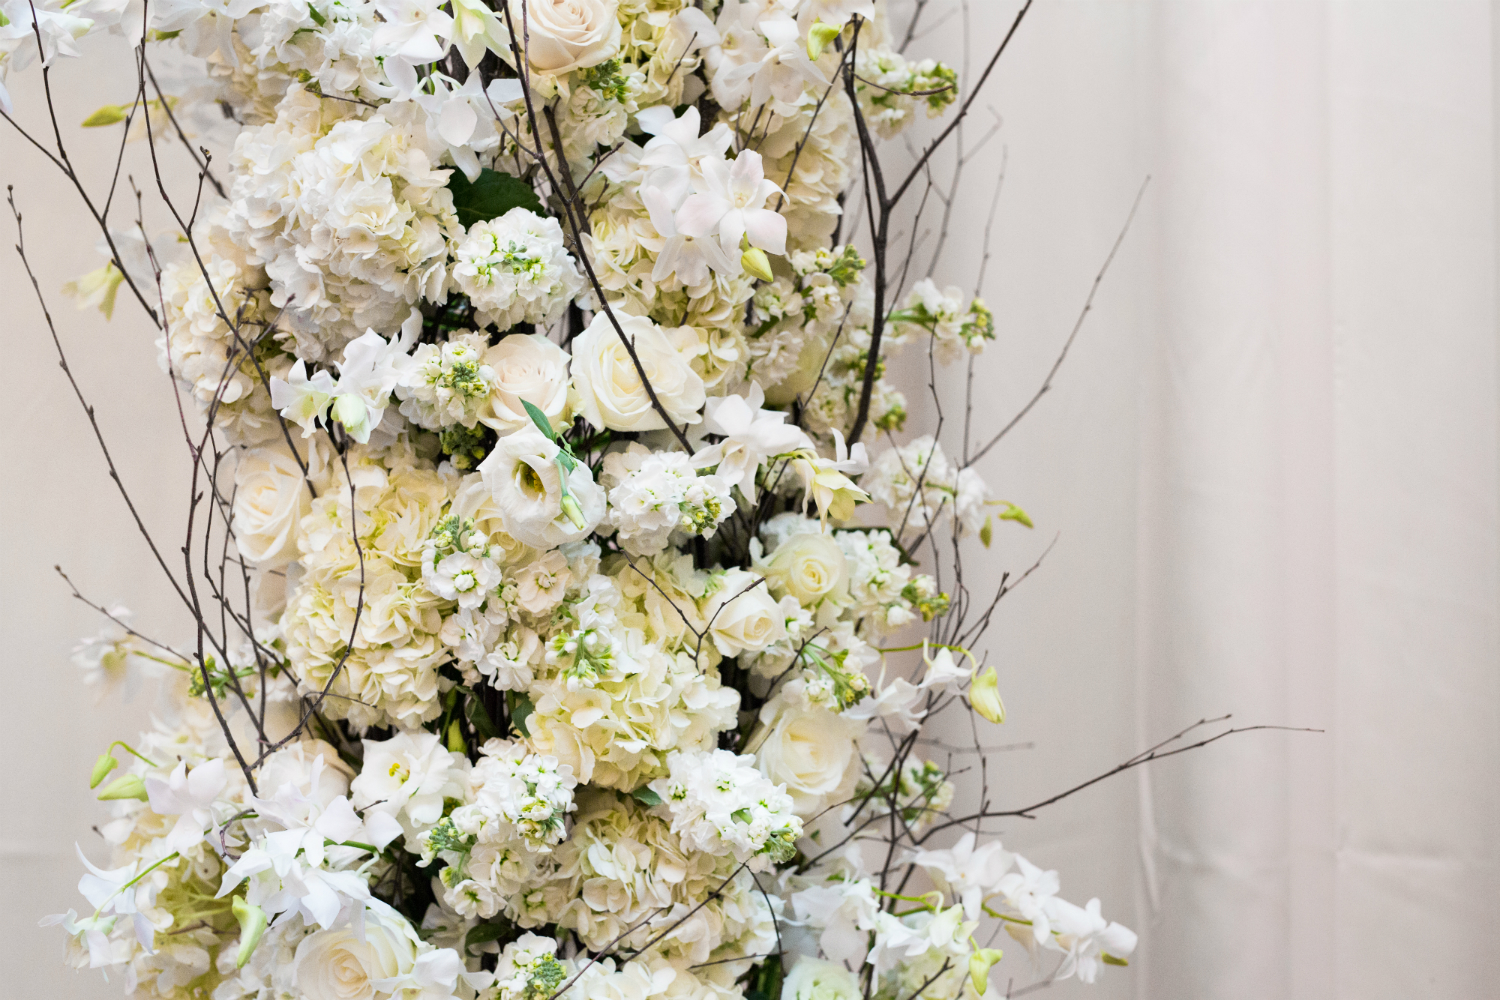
[491, 196]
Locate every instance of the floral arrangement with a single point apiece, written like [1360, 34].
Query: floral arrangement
[555, 633]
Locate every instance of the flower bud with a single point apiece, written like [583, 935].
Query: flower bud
[755, 261]
[105, 764]
[252, 921]
[819, 36]
[573, 511]
[352, 412]
[126, 786]
[456, 738]
[107, 115]
[984, 695]
[979, 968]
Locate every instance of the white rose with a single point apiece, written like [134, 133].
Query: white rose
[270, 500]
[563, 35]
[523, 476]
[530, 368]
[337, 965]
[815, 979]
[808, 749]
[609, 389]
[745, 617]
[811, 568]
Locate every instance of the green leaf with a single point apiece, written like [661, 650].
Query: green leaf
[484, 933]
[318, 19]
[540, 419]
[479, 718]
[491, 196]
[520, 709]
[646, 797]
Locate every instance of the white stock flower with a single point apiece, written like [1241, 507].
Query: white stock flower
[611, 393]
[447, 383]
[516, 270]
[654, 493]
[721, 804]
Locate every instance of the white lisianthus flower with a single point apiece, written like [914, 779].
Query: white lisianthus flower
[340, 965]
[528, 486]
[558, 36]
[530, 368]
[743, 616]
[270, 500]
[609, 388]
[516, 270]
[810, 567]
[807, 749]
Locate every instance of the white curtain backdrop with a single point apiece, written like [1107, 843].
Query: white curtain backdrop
[1272, 464]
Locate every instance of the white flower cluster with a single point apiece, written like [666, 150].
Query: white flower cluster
[565, 650]
[515, 270]
[654, 493]
[720, 804]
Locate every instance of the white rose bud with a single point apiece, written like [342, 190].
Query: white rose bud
[609, 389]
[563, 35]
[744, 617]
[530, 368]
[808, 749]
[270, 500]
[810, 567]
[338, 965]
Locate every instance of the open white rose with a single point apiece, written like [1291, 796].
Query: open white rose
[814, 979]
[609, 388]
[808, 749]
[530, 368]
[337, 965]
[562, 35]
[523, 476]
[270, 500]
[744, 617]
[810, 567]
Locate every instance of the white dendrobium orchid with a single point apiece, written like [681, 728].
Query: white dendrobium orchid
[690, 259]
[729, 201]
[411, 29]
[303, 400]
[1027, 891]
[669, 159]
[1085, 938]
[752, 434]
[969, 873]
[19, 41]
[190, 796]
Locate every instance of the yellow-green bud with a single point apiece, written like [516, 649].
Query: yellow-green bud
[979, 968]
[819, 36]
[573, 511]
[105, 764]
[252, 921]
[987, 531]
[352, 412]
[126, 786]
[984, 695]
[107, 115]
[456, 738]
[755, 261]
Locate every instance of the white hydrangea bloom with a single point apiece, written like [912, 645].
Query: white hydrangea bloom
[516, 270]
[654, 493]
[721, 804]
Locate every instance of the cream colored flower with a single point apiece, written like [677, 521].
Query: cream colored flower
[808, 749]
[338, 965]
[562, 35]
[528, 486]
[527, 367]
[810, 567]
[744, 617]
[609, 388]
[270, 500]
